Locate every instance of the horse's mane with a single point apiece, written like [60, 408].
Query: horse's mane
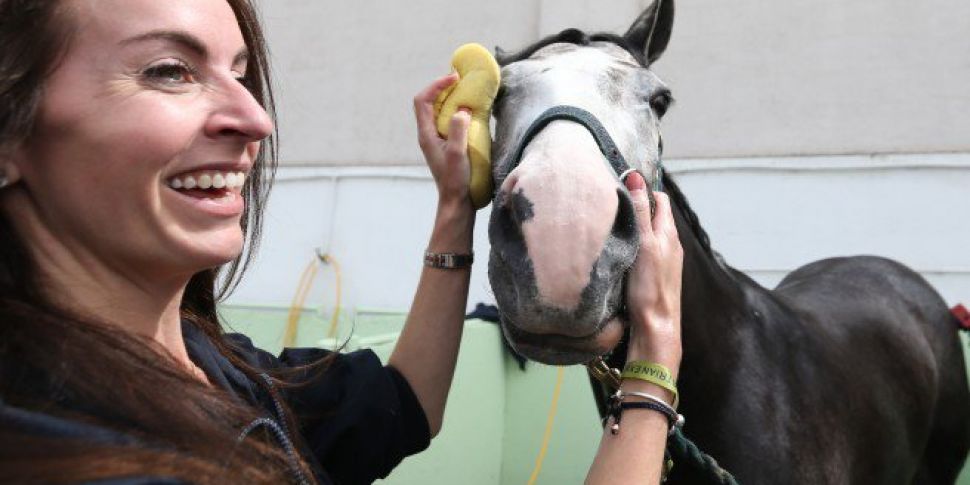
[678, 199]
[570, 36]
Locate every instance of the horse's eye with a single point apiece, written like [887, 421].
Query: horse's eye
[660, 102]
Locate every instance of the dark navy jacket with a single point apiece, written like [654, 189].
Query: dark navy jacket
[357, 419]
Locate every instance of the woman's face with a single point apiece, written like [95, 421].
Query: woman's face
[144, 135]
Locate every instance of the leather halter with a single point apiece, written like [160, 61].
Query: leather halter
[587, 120]
[597, 367]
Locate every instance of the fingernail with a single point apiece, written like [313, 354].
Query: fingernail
[634, 181]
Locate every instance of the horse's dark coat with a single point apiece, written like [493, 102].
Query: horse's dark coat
[850, 371]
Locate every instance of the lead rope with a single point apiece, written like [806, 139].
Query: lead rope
[679, 447]
[683, 449]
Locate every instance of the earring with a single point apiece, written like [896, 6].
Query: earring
[4, 181]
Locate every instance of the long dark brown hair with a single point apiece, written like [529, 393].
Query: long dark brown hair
[69, 367]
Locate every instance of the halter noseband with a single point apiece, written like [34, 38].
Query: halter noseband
[592, 124]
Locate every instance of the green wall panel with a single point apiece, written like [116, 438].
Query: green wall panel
[497, 413]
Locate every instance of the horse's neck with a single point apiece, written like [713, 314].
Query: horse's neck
[714, 304]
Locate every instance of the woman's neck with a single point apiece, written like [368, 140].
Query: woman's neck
[151, 311]
[124, 295]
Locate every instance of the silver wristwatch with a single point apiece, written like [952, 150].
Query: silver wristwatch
[448, 260]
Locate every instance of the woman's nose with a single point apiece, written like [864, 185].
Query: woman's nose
[237, 113]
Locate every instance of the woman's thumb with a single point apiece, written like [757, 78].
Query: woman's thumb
[638, 192]
[458, 136]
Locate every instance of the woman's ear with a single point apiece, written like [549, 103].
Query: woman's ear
[9, 170]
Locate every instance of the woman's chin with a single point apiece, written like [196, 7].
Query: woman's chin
[211, 250]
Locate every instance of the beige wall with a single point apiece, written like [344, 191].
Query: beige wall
[751, 78]
[776, 100]
[826, 76]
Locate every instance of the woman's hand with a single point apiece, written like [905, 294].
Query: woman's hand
[653, 290]
[635, 454]
[447, 158]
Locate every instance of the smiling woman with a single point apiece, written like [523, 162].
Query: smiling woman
[136, 150]
[105, 105]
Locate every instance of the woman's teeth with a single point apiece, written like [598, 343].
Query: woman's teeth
[209, 180]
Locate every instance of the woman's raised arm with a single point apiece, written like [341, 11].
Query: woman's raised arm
[427, 350]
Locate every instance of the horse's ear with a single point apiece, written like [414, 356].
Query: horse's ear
[651, 30]
[501, 56]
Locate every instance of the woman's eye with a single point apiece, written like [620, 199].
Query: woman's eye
[175, 73]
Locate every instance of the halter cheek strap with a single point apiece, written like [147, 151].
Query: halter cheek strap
[585, 119]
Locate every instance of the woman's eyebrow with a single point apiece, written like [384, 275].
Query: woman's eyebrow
[184, 39]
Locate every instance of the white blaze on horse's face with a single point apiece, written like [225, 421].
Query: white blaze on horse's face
[572, 217]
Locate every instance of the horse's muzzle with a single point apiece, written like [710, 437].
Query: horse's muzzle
[555, 349]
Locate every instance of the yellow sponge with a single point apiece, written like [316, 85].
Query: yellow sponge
[478, 83]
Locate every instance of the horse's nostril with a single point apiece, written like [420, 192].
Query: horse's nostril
[505, 228]
[625, 224]
[520, 207]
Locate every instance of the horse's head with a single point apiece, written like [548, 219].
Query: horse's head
[563, 229]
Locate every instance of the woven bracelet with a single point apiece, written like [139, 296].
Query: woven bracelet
[652, 402]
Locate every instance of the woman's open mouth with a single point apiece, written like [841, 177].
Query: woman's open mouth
[213, 191]
[206, 180]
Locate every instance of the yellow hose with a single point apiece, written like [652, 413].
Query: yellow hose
[335, 317]
[299, 298]
[550, 420]
[296, 307]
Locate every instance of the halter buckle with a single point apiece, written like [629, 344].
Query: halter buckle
[604, 373]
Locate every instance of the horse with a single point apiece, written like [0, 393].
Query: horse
[850, 371]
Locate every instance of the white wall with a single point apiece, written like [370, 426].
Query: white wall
[765, 215]
[802, 130]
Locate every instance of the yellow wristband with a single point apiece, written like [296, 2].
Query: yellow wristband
[652, 373]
